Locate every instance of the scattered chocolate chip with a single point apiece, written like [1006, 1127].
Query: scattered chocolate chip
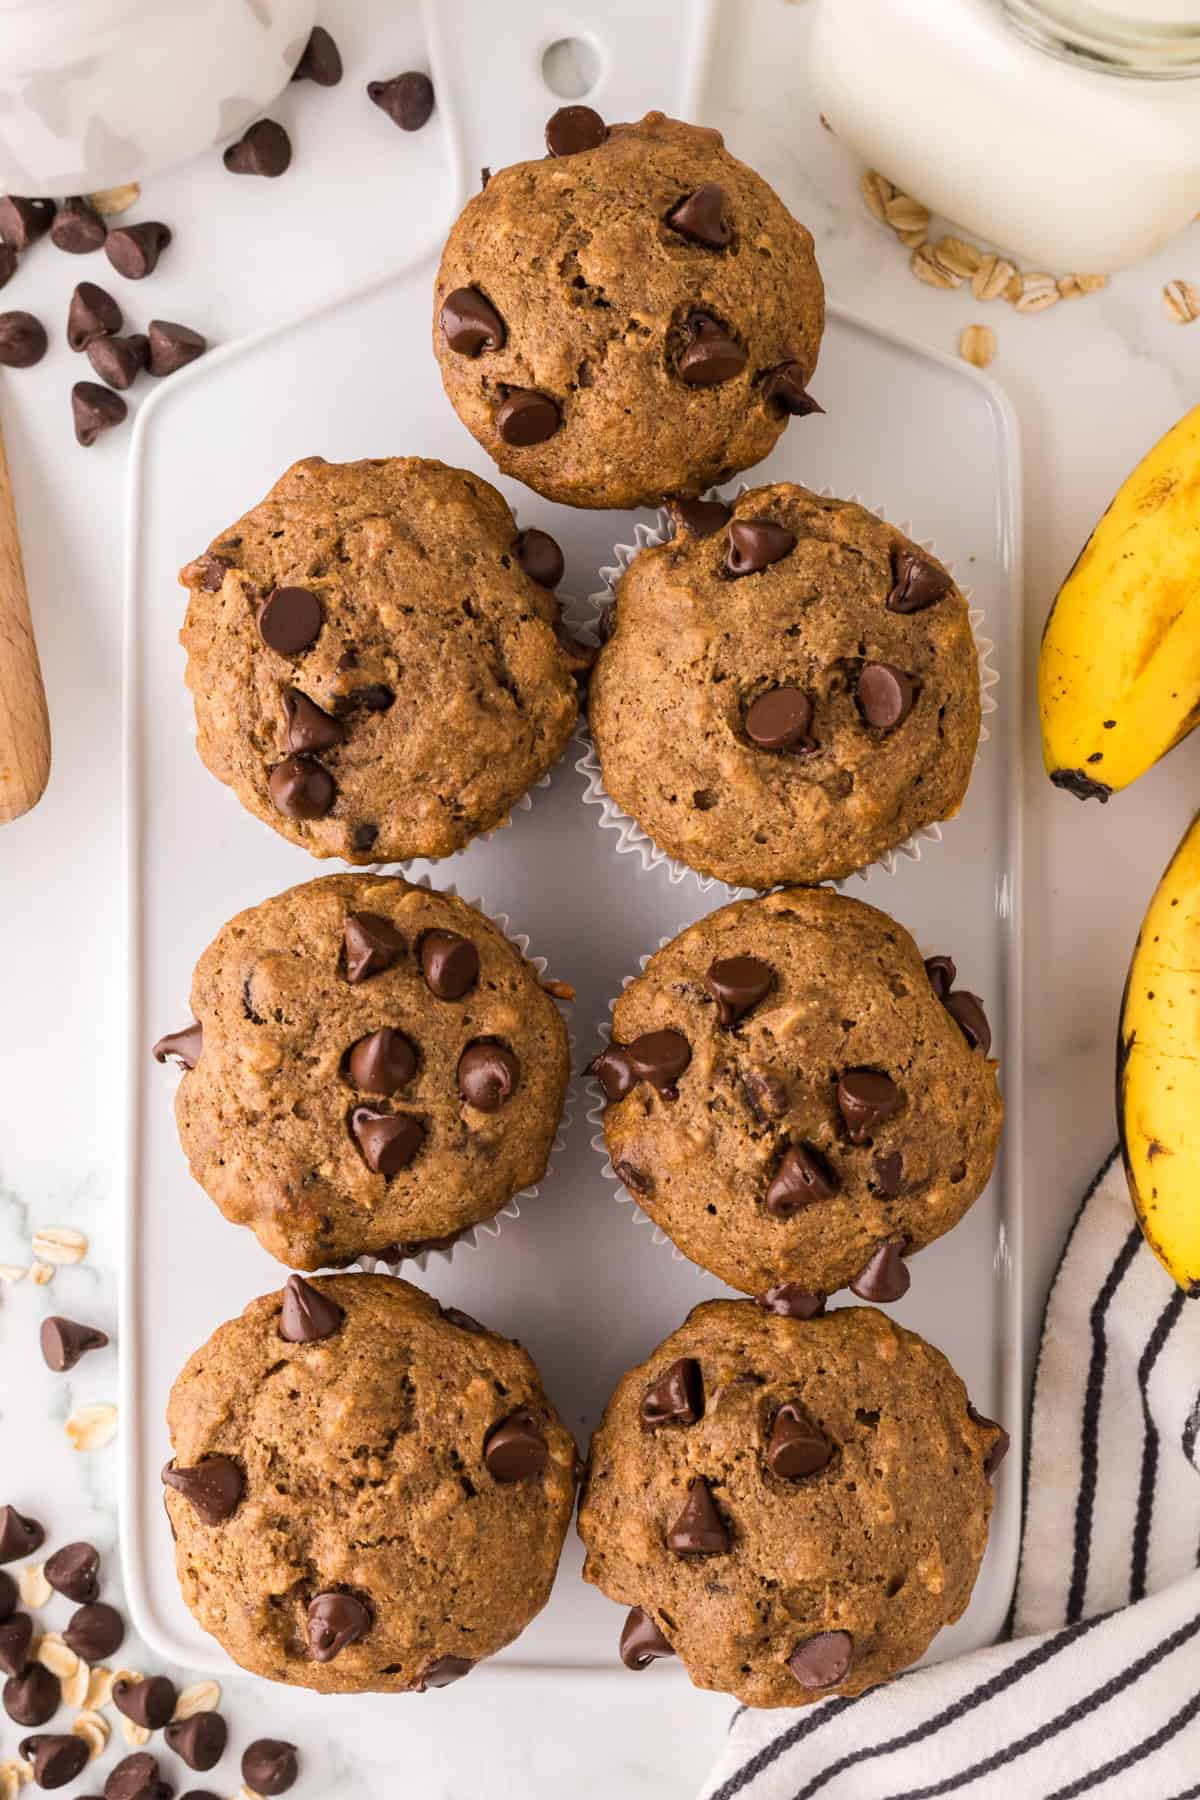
[307, 1316]
[23, 222]
[308, 728]
[612, 1070]
[676, 1398]
[916, 583]
[388, 1142]
[92, 313]
[471, 323]
[263, 149]
[372, 944]
[998, 1450]
[8, 263]
[659, 1057]
[290, 620]
[382, 1063]
[540, 557]
[515, 1449]
[796, 1448]
[134, 250]
[269, 1766]
[200, 1740]
[824, 1660]
[95, 409]
[866, 1099]
[784, 384]
[765, 1094]
[406, 99]
[802, 1177]
[74, 1571]
[19, 1536]
[23, 340]
[886, 1276]
[78, 227]
[150, 1702]
[119, 360]
[335, 1620]
[464, 1321]
[967, 1012]
[213, 1488]
[942, 974]
[780, 719]
[32, 1697]
[94, 1631]
[889, 1173]
[16, 1636]
[699, 1530]
[173, 346]
[526, 417]
[488, 1074]
[444, 1671]
[373, 697]
[8, 1596]
[700, 217]
[702, 518]
[574, 128]
[635, 1179]
[136, 1777]
[184, 1047]
[711, 356]
[641, 1640]
[64, 1342]
[57, 1757]
[449, 963]
[737, 983]
[1075, 781]
[792, 1301]
[754, 544]
[320, 62]
[885, 695]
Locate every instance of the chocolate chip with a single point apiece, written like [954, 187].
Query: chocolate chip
[540, 557]
[74, 1571]
[886, 1276]
[754, 544]
[790, 1300]
[8, 1596]
[612, 1070]
[444, 1671]
[78, 227]
[659, 1057]
[916, 583]
[363, 837]
[641, 1640]
[32, 1697]
[388, 1141]
[885, 695]
[464, 1321]
[91, 314]
[57, 1757]
[213, 1488]
[64, 1342]
[515, 1449]
[321, 61]
[269, 1765]
[967, 1012]
[635, 1179]
[335, 1620]
[449, 963]
[1075, 781]
[263, 149]
[173, 346]
[307, 1316]
[406, 99]
[16, 1636]
[94, 1631]
[942, 975]
[308, 728]
[23, 222]
[23, 340]
[865, 1099]
[290, 620]
[373, 696]
[824, 1660]
[737, 983]
[119, 360]
[488, 1074]
[998, 1449]
[574, 128]
[796, 1448]
[471, 323]
[137, 1778]
[765, 1094]
[780, 719]
[95, 409]
[200, 1740]
[382, 1063]
[784, 384]
[184, 1047]
[889, 1173]
[134, 250]
[19, 1536]
[711, 356]
[700, 217]
[802, 1177]
[372, 944]
[301, 788]
[699, 1530]
[526, 417]
[676, 1398]
[9, 261]
[702, 518]
[150, 1702]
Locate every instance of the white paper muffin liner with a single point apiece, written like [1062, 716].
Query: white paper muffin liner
[472, 1237]
[631, 838]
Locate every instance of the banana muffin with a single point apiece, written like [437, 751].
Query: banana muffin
[368, 1493]
[638, 314]
[376, 660]
[797, 1099]
[373, 1066]
[792, 1507]
[790, 688]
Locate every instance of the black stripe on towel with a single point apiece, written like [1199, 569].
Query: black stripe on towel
[1191, 1430]
[1164, 1325]
[762, 1759]
[1137, 1754]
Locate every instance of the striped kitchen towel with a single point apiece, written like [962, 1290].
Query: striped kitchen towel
[1097, 1691]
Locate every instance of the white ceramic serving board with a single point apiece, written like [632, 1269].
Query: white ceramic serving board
[922, 438]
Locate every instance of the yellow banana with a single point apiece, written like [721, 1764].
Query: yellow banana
[1158, 1068]
[1119, 677]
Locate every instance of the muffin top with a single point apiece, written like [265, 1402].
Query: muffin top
[790, 689]
[636, 315]
[367, 1493]
[792, 1507]
[797, 1099]
[375, 1066]
[375, 674]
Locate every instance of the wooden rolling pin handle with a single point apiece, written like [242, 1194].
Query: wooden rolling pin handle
[24, 726]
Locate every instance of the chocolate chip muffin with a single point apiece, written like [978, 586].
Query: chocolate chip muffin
[793, 1507]
[374, 658]
[373, 1066]
[367, 1493]
[790, 689]
[797, 1100]
[636, 315]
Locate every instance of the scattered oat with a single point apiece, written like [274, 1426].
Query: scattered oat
[35, 1589]
[559, 990]
[903, 213]
[912, 240]
[1038, 291]
[1181, 301]
[992, 277]
[876, 191]
[201, 1697]
[135, 1735]
[955, 254]
[41, 1273]
[13, 1776]
[60, 1244]
[926, 267]
[129, 1677]
[11, 1272]
[77, 1686]
[977, 345]
[108, 201]
[93, 1729]
[56, 1656]
[247, 1793]
[99, 1688]
[92, 1427]
[1071, 287]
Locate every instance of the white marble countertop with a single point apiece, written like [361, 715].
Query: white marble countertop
[1093, 382]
